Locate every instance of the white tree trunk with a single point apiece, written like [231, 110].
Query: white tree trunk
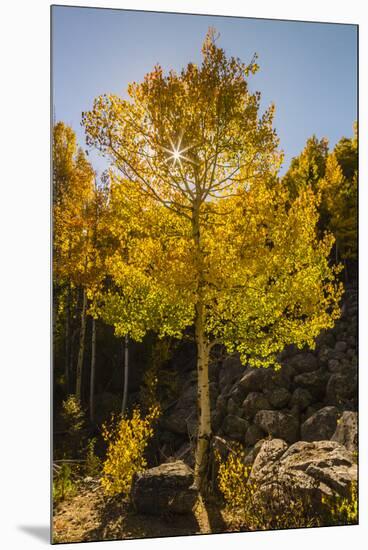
[93, 369]
[126, 374]
[204, 408]
[78, 385]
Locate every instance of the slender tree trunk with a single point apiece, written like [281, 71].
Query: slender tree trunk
[204, 409]
[346, 271]
[67, 341]
[203, 351]
[126, 374]
[78, 385]
[93, 369]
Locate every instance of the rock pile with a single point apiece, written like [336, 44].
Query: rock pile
[301, 401]
[305, 400]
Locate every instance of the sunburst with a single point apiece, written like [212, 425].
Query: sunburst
[176, 153]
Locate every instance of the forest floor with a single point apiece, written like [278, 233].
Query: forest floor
[91, 516]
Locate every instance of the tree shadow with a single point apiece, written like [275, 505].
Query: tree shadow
[215, 519]
[40, 532]
[118, 520]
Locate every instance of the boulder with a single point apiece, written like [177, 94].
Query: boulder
[253, 452]
[278, 424]
[306, 470]
[315, 382]
[253, 435]
[165, 488]
[216, 420]
[352, 341]
[233, 407]
[341, 388]
[325, 353]
[230, 371]
[325, 338]
[180, 421]
[255, 380]
[282, 377]
[268, 453]
[334, 365]
[188, 395]
[253, 403]
[279, 398]
[346, 432]
[213, 394]
[300, 399]
[321, 425]
[235, 427]
[304, 362]
[221, 404]
[237, 394]
[341, 346]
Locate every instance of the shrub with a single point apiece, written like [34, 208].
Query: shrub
[127, 439]
[232, 479]
[280, 510]
[342, 510]
[63, 486]
[93, 462]
[74, 419]
[151, 392]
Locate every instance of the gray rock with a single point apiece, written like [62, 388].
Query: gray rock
[325, 354]
[278, 424]
[237, 393]
[221, 404]
[180, 421]
[346, 432]
[253, 403]
[341, 388]
[230, 371]
[325, 338]
[268, 453]
[233, 407]
[253, 435]
[341, 346]
[252, 454]
[165, 488]
[304, 362]
[216, 420]
[213, 394]
[315, 382]
[278, 398]
[321, 425]
[300, 399]
[255, 380]
[352, 341]
[333, 365]
[306, 471]
[282, 377]
[235, 427]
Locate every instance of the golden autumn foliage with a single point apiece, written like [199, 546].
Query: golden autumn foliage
[260, 272]
[334, 177]
[342, 510]
[232, 478]
[127, 441]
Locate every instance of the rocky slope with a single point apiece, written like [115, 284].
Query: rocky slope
[303, 401]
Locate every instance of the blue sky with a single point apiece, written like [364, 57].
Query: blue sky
[309, 70]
